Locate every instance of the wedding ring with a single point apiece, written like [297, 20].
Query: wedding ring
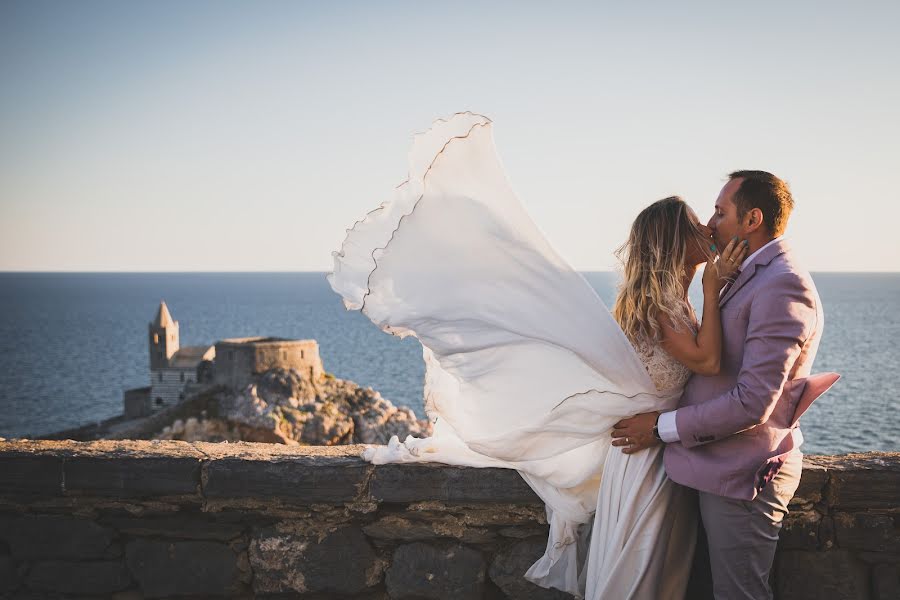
[626, 441]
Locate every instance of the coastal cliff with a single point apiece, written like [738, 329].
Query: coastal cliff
[166, 519]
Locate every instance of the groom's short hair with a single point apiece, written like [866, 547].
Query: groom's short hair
[771, 195]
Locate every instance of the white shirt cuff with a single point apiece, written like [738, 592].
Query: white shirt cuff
[668, 431]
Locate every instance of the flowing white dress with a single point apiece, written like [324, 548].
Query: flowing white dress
[525, 366]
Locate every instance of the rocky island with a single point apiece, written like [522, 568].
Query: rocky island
[253, 389]
[284, 407]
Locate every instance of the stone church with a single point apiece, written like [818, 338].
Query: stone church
[178, 372]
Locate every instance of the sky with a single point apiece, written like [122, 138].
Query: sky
[247, 136]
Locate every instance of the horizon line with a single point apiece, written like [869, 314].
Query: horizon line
[159, 272]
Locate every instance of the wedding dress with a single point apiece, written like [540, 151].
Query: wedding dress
[525, 368]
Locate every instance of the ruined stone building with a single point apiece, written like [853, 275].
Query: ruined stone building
[177, 372]
[239, 359]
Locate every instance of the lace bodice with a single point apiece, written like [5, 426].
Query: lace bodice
[666, 372]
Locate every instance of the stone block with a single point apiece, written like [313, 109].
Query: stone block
[301, 479]
[284, 561]
[885, 582]
[862, 481]
[181, 568]
[525, 531]
[436, 572]
[30, 475]
[800, 531]
[826, 533]
[106, 467]
[418, 482]
[508, 570]
[127, 476]
[394, 527]
[835, 575]
[9, 578]
[877, 558]
[195, 527]
[72, 577]
[51, 537]
[812, 484]
[871, 532]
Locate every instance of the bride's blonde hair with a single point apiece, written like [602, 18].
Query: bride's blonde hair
[653, 258]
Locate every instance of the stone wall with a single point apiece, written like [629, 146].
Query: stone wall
[138, 519]
[238, 359]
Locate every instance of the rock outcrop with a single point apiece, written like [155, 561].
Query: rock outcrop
[283, 406]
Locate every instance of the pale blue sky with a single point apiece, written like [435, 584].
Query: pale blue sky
[226, 136]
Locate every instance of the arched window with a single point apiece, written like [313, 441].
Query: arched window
[156, 338]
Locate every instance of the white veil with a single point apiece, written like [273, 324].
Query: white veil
[525, 366]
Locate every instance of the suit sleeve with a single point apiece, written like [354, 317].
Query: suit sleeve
[781, 319]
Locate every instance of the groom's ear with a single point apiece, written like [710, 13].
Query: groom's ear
[753, 220]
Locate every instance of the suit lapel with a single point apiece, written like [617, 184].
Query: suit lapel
[745, 276]
[763, 259]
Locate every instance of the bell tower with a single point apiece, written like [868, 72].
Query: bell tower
[163, 338]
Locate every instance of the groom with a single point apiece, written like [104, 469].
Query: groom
[734, 437]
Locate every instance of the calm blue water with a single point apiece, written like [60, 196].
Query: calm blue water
[71, 342]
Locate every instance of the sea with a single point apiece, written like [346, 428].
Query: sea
[70, 343]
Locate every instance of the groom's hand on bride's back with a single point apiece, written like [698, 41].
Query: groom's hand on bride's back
[636, 433]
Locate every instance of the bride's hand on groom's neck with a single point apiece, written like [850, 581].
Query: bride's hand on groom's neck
[725, 269]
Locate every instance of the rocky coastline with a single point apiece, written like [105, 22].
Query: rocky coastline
[280, 405]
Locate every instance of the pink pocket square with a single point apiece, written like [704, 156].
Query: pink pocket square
[814, 386]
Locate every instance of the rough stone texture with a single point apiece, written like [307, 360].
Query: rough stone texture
[286, 406]
[248, 470]
[181, 526]
[79, 577]
[167, 568]
[120, 477]
[509, 566]
[431, 571]
[9, 579]
[50, 536]
[861, 481]
[283, 561]
[25, 473]
[801, 531]
[835, 575]
[812, 483]
[886, 582]
[395, 527]
[172, 518]
[416, 482]
[878, 532]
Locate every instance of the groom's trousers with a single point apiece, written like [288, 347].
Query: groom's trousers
[743, 534]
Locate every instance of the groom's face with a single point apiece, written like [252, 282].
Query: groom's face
[724, 222]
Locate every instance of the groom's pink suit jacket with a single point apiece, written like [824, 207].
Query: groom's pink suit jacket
[737, 427]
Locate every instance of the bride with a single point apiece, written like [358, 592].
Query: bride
[526, 368]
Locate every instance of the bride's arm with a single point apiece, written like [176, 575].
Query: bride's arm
[702, 352]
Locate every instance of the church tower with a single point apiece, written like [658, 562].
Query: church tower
[163, 338]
